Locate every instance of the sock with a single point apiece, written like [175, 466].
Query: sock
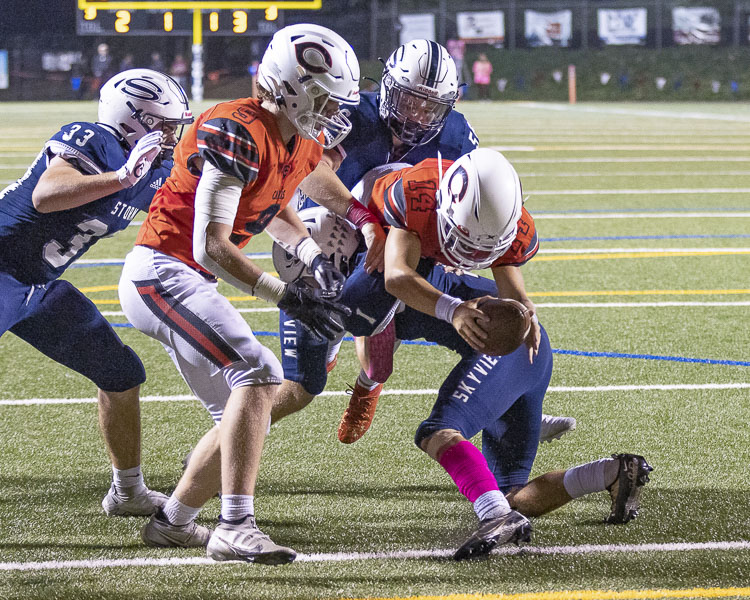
[591, 477]
[235, 507]
[491, 505]
[128, 482]
[365, 382]
[468, 468]
[178, 513]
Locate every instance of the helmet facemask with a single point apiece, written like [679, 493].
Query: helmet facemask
[311, 122]
[415, 118]
[171, 128]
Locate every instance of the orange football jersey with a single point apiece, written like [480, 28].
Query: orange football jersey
[407, 199]
[241, 139]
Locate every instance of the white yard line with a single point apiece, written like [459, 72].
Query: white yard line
[643, 215]
[639, 250]
[415, 392]
[583, 549]
[629, 159]
[599, 174]
[633, 192]
[579, 108]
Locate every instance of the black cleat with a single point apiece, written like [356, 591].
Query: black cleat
[511, 527]
[626, 489]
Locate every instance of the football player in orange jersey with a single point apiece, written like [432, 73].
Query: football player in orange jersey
[469, 215]
[235, 172]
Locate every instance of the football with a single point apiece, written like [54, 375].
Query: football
[510, 322]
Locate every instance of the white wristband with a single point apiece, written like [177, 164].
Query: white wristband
[307, 250]
[446, 306]
[269, 288]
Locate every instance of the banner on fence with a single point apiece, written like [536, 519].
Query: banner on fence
[696, 25]
[622, 26]
[421, 26]
[486, 26]
[548, 28]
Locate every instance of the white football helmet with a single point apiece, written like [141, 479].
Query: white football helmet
[304, 67]
[337, 238]
[139, 101]
[418, 90]
[479, 204]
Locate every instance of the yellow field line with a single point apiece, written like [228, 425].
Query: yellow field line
[589, 595]
[638, 255]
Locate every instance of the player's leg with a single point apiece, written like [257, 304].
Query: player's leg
[68, 328]
[622, 475]
[305, 359]
[477, 393]
[212, 343]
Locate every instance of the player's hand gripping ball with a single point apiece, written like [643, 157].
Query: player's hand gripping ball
[510, 323]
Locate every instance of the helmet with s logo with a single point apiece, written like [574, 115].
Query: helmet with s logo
[139, 101]
[304, 67]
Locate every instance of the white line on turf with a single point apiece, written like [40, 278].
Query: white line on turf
[630, 159]
[630, 192]
[417, 392]
[644, 215]
[119, 313]
[636, 112]
[393, 555]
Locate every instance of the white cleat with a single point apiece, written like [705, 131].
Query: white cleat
[244, 541]
[553, 428]
[160, 533]
[142, 505]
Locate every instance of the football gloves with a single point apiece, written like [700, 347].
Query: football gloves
[329, 278]
[323, 317]
[141, 156]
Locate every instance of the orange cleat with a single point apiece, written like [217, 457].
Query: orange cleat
[359, 414]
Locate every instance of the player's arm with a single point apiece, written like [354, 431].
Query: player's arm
[63, 186]
[510, 284]
[216, 200]
[325, 188]
[403, 250]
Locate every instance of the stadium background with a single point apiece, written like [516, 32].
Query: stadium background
[717, 71]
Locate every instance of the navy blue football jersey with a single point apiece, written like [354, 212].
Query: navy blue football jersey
[36, 248]
[368, 145]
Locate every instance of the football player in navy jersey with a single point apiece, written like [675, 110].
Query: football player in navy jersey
[88, 182]
[410, 120]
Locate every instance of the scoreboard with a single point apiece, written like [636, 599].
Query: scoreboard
[177, 22]
[176, 17]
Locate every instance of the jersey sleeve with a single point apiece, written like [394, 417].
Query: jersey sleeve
[394, 205]
[470, 139]
[230, 147]
[524, 247]
[85, 147]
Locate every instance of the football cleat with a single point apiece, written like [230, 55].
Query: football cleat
[626, 489]
[511, 527]
[359, 414]
[244, 541]
[160, 533]
[553, 428]
[142, 505]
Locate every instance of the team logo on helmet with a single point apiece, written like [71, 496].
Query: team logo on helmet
[141, 88]
[458, 184]
[313, 57]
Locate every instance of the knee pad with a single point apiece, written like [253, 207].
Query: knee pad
[264, 369]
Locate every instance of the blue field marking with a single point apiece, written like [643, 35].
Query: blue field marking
[646, 237]
[682, 359]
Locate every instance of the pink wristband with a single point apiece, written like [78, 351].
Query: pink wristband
[359, 214]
